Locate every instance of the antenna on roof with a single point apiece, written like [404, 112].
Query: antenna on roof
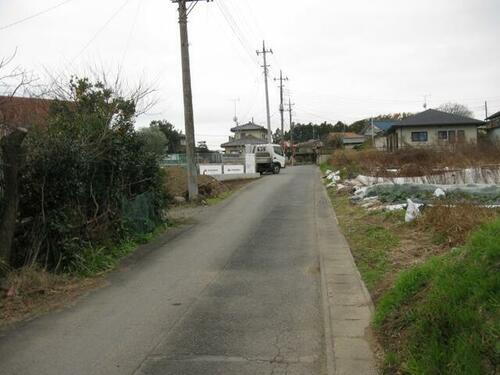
[425, 101]
[235, 118]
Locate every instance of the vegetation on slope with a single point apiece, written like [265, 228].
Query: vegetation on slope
[442, 317]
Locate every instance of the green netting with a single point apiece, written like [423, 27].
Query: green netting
[139, 214]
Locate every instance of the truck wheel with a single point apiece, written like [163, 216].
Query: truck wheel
[276, 169]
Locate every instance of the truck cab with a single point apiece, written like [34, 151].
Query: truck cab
[269, 158]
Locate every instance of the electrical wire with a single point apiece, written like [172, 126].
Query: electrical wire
[98, 32]
[236, 31]
[40, 13]
[132, 28]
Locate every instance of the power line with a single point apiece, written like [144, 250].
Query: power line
[103, 27]
[132, 28]
[236, 30]
[42, 12]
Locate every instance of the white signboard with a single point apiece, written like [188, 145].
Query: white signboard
[211, 169]
[234, 169]
[250, 163]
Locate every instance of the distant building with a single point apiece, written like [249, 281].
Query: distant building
[493, 127]
[378, 130]
[247, 134]
[349, 140]
[432, 128]
[23, 112]
[307, 152]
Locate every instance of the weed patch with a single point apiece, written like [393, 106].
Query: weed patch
[442, 317]
[381, 242]
[453, 223]
[412, 162]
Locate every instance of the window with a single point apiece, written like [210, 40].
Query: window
[278, 150]
[452, 136]
[419, 136]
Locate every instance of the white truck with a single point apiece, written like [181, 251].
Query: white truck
[268, 158]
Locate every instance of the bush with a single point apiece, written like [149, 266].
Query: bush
[442, 317]
[79, 174]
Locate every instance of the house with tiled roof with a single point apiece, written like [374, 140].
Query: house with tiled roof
[377, 129]
[432, 128]
[246, 134]
[23, 112]
[348, 139]
[493, 127]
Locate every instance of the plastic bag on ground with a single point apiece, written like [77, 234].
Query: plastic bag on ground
[412, 211]
[439, 193]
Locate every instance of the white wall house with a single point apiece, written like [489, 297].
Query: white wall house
[432, 128]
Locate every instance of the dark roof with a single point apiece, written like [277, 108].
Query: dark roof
[310, 143]
[493, 116]
[248, 126]
[437, 118]
[383, 125]
[249, 140]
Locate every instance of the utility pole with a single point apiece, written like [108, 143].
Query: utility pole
[264, 53]
[282, 107]
[486, 109]
[192, 169]
[291, 129]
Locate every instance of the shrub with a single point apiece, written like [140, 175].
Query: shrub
[79, 174]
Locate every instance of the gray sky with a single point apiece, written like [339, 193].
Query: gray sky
[346, 60]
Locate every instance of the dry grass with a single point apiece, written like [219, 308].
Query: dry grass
[453, 223]
[415, 161]
[30, 291]
[176, 184]
[382, 243]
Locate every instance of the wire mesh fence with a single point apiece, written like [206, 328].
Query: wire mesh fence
[201, 158]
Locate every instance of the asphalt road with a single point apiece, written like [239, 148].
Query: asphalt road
[237, 293]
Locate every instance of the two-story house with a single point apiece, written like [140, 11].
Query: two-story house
[247, 134]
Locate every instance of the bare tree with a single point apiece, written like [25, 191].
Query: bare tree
[456, 109]
[141, 93]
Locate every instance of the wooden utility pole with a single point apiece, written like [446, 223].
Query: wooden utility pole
[264, 53]
[191, 167]
[282, 107]
[291, 129]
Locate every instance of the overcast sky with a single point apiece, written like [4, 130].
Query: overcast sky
[346, 60]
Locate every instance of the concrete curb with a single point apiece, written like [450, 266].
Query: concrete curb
[347, 305]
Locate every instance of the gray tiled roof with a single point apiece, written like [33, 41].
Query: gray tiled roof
[494, 116]
[244, 141]
[248, 126]
[435, 117]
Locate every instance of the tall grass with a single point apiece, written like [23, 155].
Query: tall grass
[454, 222]
[443, 317]
[412, 162]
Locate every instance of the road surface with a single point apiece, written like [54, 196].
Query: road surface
[237, 293]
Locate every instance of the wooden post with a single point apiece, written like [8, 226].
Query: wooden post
[12, 158]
